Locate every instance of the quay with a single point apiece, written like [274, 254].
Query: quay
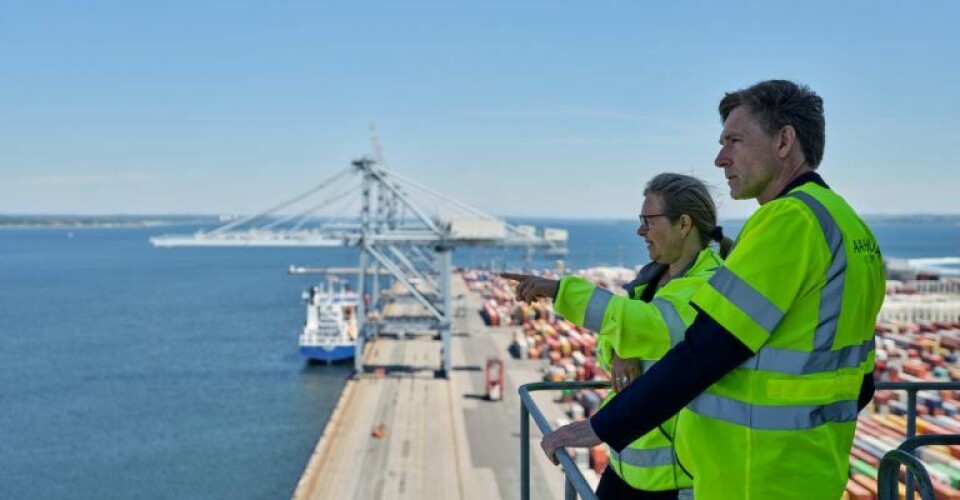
[398, 430]
[441, 438]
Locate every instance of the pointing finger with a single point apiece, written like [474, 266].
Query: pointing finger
[513, 276]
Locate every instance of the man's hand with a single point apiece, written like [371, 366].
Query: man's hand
[530, 287]
[623, 371]
[576, 435]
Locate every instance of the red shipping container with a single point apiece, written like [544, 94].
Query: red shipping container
[916, 368]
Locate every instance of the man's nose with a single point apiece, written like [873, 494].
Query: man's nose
[721, 160]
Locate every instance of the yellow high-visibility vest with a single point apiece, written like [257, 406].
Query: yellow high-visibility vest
[802, 289]
[645, 330]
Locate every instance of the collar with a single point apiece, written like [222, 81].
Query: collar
[801, 180]
[690, 265]
[652, 272]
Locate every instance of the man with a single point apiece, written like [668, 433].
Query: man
[779, 360]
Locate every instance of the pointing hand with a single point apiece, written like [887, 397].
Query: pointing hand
[530, 287]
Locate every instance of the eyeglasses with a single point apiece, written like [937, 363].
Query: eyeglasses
[645, 220]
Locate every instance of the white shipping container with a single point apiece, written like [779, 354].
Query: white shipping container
[554, 234]
[474, 228]
[526, 230]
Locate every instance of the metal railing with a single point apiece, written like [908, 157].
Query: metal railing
[888, 476]
[575, 482]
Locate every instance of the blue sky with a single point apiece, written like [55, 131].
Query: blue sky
[552, 108]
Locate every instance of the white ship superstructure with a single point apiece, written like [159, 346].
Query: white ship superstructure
[330, 331]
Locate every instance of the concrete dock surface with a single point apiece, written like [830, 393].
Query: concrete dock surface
[441, 439]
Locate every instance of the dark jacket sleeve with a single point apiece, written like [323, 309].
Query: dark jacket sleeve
[705, 355]
[867, 389]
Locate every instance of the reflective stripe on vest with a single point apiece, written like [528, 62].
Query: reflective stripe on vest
[596, 306]
[791, 362]
[640, 457]
[761, 417]
[787, 361]
[747, 299]
[672, 319]
[600, 299]
[831, 296]
[822, 359]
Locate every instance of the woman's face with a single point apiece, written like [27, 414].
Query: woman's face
[660, 234]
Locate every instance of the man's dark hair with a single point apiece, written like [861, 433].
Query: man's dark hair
[778, 103]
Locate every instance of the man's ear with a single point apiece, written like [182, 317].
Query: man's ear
[786, 139]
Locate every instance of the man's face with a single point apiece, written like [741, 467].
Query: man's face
[748, 157]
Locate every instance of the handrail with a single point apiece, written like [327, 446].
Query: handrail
[887, 477]
[915, 442]
[912, 388]
[575, 482]
[889, 465]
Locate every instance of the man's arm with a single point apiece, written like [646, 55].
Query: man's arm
[706, 354]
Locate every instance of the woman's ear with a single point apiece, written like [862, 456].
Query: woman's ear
[686, 225]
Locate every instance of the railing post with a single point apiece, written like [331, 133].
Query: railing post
[569, 492]
[911, 432]
[911, 413]
[575, 483]
[912, 441]
[888, 472]
[524, 452]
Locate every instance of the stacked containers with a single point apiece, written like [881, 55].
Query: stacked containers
[912, 352]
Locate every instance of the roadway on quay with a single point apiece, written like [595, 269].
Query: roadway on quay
[442, 438]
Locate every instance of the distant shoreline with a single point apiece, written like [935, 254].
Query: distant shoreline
[120, 225]
[98, 222]
[144, 221]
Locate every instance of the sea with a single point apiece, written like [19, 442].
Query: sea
[133, 371]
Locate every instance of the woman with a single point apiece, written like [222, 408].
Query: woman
[678, 220]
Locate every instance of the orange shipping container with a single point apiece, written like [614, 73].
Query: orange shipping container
[599, 458]
[944, 492]
[858, 492]
[868, 483]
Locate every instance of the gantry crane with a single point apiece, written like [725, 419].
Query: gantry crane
[396, 231]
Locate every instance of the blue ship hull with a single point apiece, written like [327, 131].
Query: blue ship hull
[338, 353]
